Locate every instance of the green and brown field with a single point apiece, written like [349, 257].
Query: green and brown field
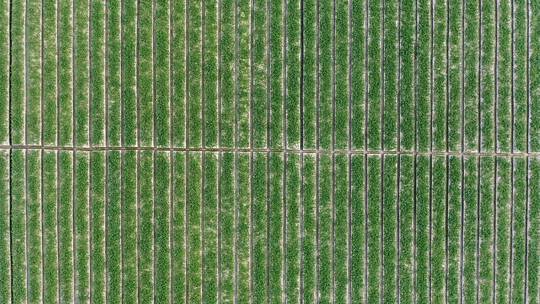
[250, 151]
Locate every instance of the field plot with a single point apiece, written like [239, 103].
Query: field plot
[269, 151]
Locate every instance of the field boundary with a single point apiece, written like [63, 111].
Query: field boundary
[270, 150]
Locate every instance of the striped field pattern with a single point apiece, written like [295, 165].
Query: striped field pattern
[269, 151]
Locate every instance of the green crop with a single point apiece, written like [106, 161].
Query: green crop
[268, 151]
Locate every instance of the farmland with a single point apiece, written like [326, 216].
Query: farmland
[302, 151]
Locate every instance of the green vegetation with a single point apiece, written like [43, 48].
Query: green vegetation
[310, 92]
[533, 266]
[310, 221]
[81, 210]
[504, 77]
[276, 98]
[18, 72]
[487, 76]
[438, 224]
[389, 229]
[407, 88]
[33, 226]
[97, 73]
[194, 57]
[390, 75]
[227, 74]
[178, 63]
[50, 220]
[209, 229]
[113, 68]
[453, 214]
[439, 76]
[32, 74]
[265, 151]
[423, 76]
[276, 221]
[469, 228]
[373, 75]
[518, 236]
[341, 75]
[145, 74]
[259, 57]
[145, 226]
[373, 258]
[243, 77]
[209, 74]
[422, 229]
[325, 74]
[194, 165]
[406, 229]
[243, 227]
[162, 224]
[519, 76]
[178, 233]
[454, 74]
[49, 72]
[504, 229]
[81, 73]
[117, 181]
[471, 44]
[258, 230]
[18, 229]
[357, 24]
[227, 227]
[341, 227]
[5, 46]
[326, 219]
[162, 98]
[65, 226]
[534, 78]
[81, 226]
[293, 76]
[292, 229]
[485, 230]
[129, 74]
[98, 245]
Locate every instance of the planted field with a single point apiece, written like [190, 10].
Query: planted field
[270, 151]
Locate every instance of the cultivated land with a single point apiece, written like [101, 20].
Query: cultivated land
[268, 151]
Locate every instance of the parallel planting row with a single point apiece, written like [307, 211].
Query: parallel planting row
[157, 226]
[373, 75]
